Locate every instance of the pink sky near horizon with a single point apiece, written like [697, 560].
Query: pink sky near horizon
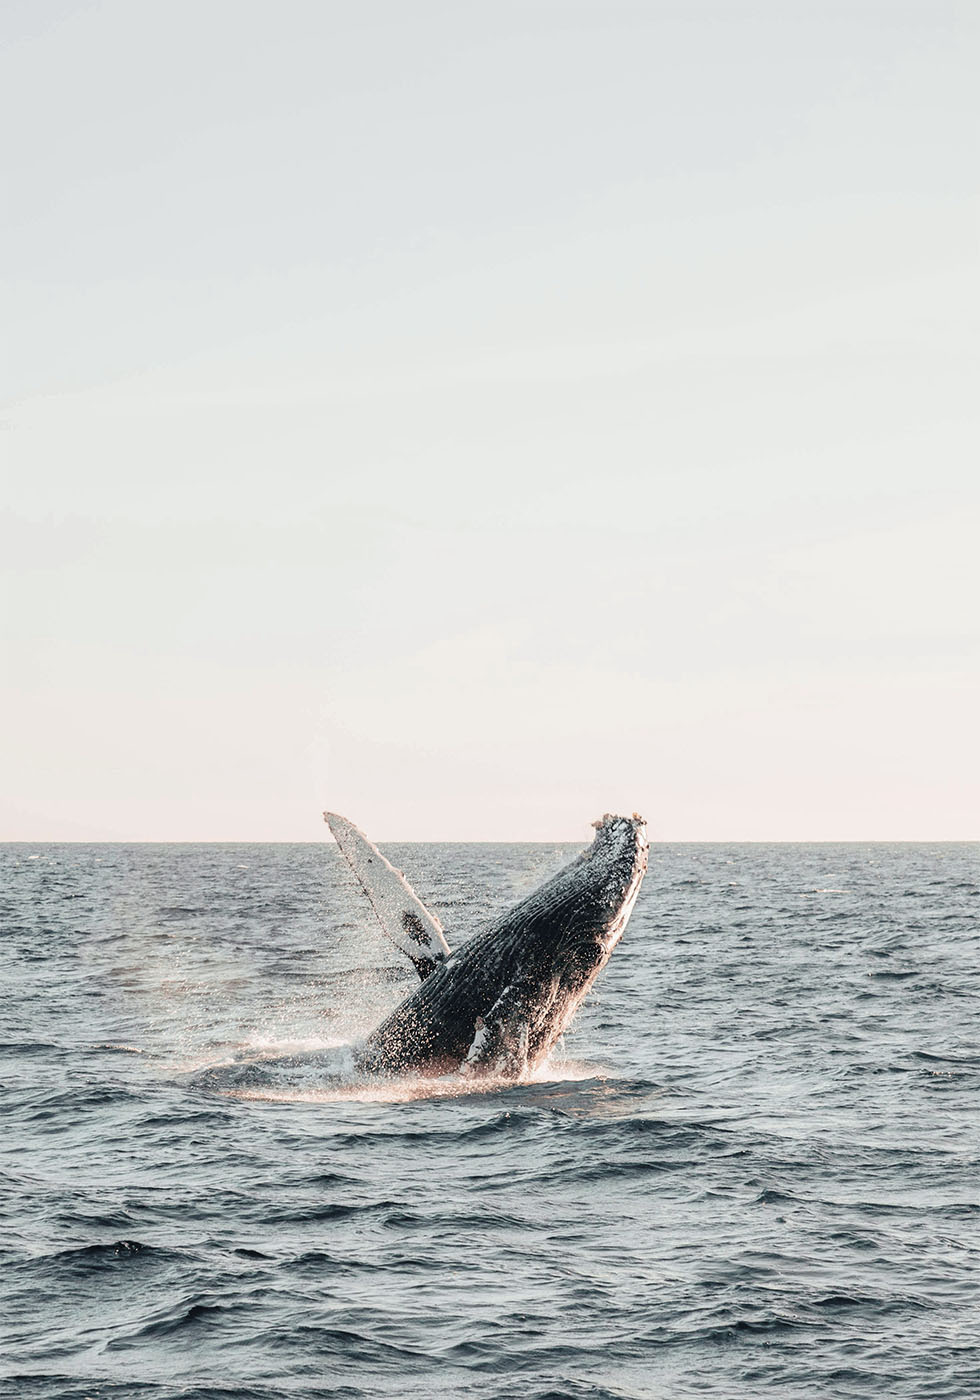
[475, 420]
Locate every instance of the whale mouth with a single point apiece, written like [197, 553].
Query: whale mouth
[621, 832]
[611, 819]
[615, 836]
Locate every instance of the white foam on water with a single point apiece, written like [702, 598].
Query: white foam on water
[407, 1089]
[302, 1045]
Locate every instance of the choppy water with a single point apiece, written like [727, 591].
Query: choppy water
[754, 1169]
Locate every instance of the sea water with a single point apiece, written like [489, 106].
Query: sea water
[752, 1167]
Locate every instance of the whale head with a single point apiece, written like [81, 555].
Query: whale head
[554, 944]
[620, 852]
[586, 906]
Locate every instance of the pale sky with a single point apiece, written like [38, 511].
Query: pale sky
[474, 416]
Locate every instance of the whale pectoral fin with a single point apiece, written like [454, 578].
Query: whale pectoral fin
[497, 1052]
[404, 919]
[501, 1040]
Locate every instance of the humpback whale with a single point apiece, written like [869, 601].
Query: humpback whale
[496, 1004]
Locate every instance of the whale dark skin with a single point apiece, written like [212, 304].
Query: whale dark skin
[499, 1002]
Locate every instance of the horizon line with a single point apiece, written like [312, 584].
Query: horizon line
[471, 841]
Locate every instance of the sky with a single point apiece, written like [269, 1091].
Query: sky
[474, 418]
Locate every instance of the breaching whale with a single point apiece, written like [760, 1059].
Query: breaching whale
[497, 1004]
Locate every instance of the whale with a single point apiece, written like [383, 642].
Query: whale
[495, 1005]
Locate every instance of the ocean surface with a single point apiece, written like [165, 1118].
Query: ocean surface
[752, 1169]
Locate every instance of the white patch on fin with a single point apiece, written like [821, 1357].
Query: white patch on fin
[501, 1042]
[477, 1051]
[403, 917]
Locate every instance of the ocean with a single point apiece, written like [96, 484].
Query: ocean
[752, 1168]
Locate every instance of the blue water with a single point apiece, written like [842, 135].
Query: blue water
[753, 1168]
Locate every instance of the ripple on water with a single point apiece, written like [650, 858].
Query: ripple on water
[752, 1169]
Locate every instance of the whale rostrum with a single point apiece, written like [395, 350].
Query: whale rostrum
[496, 1005]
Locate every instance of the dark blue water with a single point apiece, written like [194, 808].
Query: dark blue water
[753, 1168]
